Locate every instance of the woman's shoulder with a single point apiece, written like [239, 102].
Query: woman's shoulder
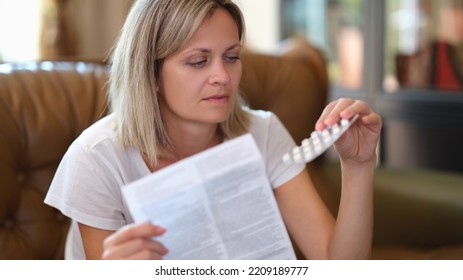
[262, 123]
[97, 133]
[260, 116]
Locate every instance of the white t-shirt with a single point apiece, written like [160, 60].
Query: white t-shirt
[87, 184]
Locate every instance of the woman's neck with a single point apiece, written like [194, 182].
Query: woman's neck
[188, 139]
[185, 143]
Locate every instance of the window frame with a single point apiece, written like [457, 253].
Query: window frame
[419, 111]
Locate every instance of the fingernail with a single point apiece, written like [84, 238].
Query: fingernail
[160, 229]
[329, 121]
[345, 115]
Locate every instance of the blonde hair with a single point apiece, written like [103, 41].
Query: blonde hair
[154, 30]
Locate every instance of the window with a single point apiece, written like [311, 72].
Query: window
[408, 57]
[19, 30]
[334, 26]
[424, 45]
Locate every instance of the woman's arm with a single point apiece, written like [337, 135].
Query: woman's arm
[307, 218]
[130, 242]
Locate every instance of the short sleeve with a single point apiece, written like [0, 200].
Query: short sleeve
[85, 189]
[274, 140]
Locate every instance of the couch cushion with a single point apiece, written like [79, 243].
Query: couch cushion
[43, 108]
[288, 86]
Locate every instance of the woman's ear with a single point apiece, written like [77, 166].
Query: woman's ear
[158, 85]
[158, 89]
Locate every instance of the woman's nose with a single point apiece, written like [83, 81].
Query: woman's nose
[219, 73]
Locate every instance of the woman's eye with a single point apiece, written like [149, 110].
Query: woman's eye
[232, 59]
[198, 64]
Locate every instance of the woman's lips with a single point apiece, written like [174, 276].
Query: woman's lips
[219, 99]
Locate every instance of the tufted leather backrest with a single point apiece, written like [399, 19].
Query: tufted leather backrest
[45, 106]
[294, 88]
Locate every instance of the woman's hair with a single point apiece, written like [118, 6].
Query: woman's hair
[154, 30]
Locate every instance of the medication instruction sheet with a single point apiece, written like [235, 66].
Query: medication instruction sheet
[217, 204]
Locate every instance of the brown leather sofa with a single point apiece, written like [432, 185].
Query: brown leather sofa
[44, 106]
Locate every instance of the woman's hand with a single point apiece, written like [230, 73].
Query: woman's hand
[358, 144]
[352, 235]
[135, 242]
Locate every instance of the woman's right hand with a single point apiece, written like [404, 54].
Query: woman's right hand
[134, 242]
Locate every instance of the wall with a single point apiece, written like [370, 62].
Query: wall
[97, 25]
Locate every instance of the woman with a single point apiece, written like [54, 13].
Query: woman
[174, 93]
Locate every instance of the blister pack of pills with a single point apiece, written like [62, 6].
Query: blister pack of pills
[318, 142]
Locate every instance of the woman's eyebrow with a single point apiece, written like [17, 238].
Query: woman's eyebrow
[234, 46]
[206, 50]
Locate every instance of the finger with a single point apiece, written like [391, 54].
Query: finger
[153, 250]
[348, 108]
[357, 107]
[368, 117]
[145, 255]
[332, 112]
[137, 248]
[320, 124]
[373, 121]
[144, 230]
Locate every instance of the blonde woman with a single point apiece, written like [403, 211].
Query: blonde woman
[174, 93]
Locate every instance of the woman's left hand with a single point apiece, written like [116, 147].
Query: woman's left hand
[358, 144]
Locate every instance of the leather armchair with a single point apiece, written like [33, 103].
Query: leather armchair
[43, 108]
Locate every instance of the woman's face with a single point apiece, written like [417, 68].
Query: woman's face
[199, 84]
